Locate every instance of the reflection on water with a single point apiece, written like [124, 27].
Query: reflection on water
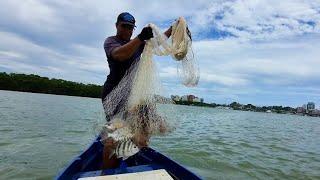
[40, 134]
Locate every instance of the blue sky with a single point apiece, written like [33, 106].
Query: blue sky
[263, 52]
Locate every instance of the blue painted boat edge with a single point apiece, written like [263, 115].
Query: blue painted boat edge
[63, 172]
[170, 165]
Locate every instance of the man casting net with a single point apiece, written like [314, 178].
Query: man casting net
[130, 92]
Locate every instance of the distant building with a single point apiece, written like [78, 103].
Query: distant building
[187, 98]
[184, 98]
[162, 99]
[196, 99]
[301, 110]
[314, 112]
[304, 106]
[310, 106]
[175, 97]
[191, 98]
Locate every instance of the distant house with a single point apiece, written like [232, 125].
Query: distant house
[184, 98]
[187, 98]
[314, 112]
[196, 99]
[310, 106]
[175, 97]
[163, 100]
[301, 110]
[191, 98]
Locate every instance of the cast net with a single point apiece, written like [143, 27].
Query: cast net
[133, 102]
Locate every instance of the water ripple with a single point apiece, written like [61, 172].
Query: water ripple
[40, 134]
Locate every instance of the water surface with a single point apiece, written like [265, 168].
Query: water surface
[40, 134]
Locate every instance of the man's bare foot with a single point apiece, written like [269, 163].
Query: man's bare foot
[109, 143]
[109, 159]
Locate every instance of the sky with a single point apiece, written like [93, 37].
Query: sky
[263, 52]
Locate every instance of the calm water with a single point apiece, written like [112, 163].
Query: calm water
[40, 134]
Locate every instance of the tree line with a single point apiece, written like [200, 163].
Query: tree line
[37, 84]
[243, 107]
[250, 107]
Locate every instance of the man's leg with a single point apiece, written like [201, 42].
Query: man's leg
[108, 160]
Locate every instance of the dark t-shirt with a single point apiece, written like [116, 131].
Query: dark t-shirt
[117, 68]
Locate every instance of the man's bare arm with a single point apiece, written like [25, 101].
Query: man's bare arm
[124, 52]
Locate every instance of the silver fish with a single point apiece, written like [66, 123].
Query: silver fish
[121, 134]
[116, 123]
[125, 149]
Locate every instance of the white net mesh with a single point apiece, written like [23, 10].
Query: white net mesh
[134, 99]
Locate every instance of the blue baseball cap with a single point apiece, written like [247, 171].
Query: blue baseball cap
[126, 18]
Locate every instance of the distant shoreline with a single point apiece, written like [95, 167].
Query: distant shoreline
[43, 85]
[175, 103]
[249, 107]
[37, 84]
[48, 94]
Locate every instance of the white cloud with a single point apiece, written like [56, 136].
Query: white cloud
[22, 55]
[275, 43]
[10, 54]
[168, 72]
[285, 59]
[32, 14]
[227, 80]
[262, 19]
[26, 49]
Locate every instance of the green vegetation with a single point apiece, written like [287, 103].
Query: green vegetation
[37, 84]
[250, 107]
[242, 107]
[195, 103]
